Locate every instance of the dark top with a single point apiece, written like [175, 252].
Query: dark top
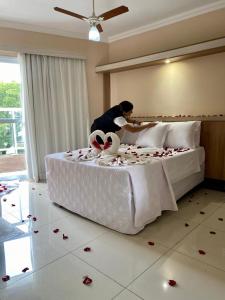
[105, 122]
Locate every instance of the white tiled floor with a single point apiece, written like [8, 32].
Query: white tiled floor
[122, 267]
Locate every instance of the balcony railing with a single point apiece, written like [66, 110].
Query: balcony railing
[11, 131]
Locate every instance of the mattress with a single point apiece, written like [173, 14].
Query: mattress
[122, 198]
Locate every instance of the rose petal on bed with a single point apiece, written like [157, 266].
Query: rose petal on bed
[56, 230]
[29, 216]
[151, 243]
[220, 219]
[87, 249]
[34, 219]
[25, 270]
[202, 212]
[186, 225]
[5, 278]
[87, 280]
[13, 204]
[202, 252]
[212, 232]
[172, 282]
[5, 188]
[23, 221]
[36, 231]
[4, 199]
[65, 237]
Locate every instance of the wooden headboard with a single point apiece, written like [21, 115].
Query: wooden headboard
[212, 139]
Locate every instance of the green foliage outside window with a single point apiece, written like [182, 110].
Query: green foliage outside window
[9, 97]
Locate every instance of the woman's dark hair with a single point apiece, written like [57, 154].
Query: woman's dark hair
[126, 106]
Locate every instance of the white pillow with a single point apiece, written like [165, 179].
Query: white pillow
[129, 137]
[183, 134]
[153, 137]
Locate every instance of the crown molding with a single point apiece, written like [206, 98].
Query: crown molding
[195, 50]
[168, 21]
[152, 26]
[40, 29]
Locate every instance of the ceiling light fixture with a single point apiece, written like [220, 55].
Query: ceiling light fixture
[94, 34]
[95, 21]
[168, 61]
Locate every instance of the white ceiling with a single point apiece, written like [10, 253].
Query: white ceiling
[38, 15]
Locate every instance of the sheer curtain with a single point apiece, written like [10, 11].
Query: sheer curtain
[54, 92]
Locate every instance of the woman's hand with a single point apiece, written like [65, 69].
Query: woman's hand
[136, 122]
[151, 124]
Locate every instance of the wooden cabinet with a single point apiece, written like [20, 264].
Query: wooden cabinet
[213, 140]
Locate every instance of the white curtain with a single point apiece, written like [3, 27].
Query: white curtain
[54, 92]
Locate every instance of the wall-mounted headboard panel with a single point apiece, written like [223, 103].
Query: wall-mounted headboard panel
[212, 139]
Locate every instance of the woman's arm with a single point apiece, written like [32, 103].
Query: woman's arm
[138, 128]
[133, 121]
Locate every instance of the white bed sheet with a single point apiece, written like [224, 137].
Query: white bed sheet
[122, 198]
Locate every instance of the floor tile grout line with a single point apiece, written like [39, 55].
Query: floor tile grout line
[86, 243]
[125, 289]
[106, 275]
[198, 260]
[213, 228]
[149, 267]
[195, 227]
[36, 271]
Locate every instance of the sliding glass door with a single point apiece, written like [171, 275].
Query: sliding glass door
[12, 160]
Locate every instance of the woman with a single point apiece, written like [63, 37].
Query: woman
[118, 117]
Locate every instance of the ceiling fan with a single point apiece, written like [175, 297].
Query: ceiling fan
[95, 21]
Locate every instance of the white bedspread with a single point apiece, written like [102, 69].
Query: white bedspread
[182, 164]
[123, 198]
[152, 192]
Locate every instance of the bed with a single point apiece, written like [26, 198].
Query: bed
[124, 198]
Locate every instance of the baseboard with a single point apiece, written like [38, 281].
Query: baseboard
[214, 184]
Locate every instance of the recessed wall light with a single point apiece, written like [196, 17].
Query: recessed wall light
[167, 61]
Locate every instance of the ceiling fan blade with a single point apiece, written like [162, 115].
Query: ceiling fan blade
[114, 12]
[70, 13]
[99, 27]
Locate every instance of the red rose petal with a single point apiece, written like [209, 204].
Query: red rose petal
[202, 212]
[186, 225]
[5, 188]
[65, 237]
[202, 252]
[34, 219]
[87, 249]
[212, 232]
[172, 282]
[36, 231]
[29, 216]
[87, 280]
[13, 205]
[151, 243]
[5, 278]
[56, 230]
[220, 219]
[4, 199]
[25, 270]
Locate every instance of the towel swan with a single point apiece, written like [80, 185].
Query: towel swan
[107, 143]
